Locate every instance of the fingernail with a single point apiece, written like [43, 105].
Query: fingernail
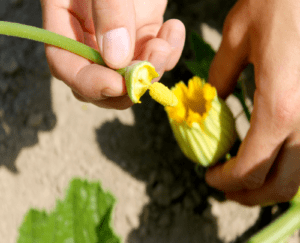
[115, 46]
[175, 40]
[109, 93]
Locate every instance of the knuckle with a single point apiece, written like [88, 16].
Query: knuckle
[285, 112]
[235, 26]
[107, 5]
[285, 194]
[286, 108]
[252, 181]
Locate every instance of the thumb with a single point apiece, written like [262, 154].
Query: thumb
[114, 22]
[231, 57]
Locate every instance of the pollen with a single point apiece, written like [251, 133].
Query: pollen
[162, 94]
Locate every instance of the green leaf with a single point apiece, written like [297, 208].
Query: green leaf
[84, 216]
[204, 55]
[199, 69]
[202, 50]
[239, 93]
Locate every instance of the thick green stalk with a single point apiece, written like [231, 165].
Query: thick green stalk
[48, 37]
[281, 229]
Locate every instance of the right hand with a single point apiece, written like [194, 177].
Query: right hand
[123, 31]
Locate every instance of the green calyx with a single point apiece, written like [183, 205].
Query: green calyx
[138, 77]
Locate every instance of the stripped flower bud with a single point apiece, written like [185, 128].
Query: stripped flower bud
[138, 78]
[202, 123]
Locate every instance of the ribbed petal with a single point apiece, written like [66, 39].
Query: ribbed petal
[204, 138]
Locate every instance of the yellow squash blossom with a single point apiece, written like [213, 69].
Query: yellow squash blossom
[202, 123]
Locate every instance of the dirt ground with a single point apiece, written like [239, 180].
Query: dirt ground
[47, 137]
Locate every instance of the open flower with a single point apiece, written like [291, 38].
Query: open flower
[202, 123]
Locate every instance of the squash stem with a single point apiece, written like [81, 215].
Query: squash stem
[281, 228]
[51, 38]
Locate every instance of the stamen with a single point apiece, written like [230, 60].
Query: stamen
[162, 94]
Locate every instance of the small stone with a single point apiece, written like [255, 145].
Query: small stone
[3, 7]
[152, 178]
[158, 143]
[50, 120]
[8, 62]
[197, 198]
[2, 148]
[161, 195]
[143, 231]
[16, 2]
[168, 177]
[188, 203]
[28, 136]
[203, 190]
[3, 86]
[2, 134]
[35, 120]
[177, 192]
[1, 113]
[6, 128]
[176, 208]
[164, 220]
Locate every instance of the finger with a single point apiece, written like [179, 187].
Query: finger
[157, 52]
[59, 60]
[231, 57]
[95, 83]
[79, 76]
[100, 86]
[283, 181]
[162, 49]
[118, 103]
[255, 156]
[173, 32]
[114, 22]
[79, 97]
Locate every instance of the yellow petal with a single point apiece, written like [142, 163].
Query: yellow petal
[202, 123]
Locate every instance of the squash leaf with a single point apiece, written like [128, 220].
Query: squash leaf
[204, 55]
[83, 216]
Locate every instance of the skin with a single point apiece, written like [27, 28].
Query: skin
[266, 33]
[89, 21]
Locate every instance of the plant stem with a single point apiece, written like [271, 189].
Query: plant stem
[281, 229]
[239, 93]
[51, 38]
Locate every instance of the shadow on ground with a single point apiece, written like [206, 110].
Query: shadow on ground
[25, 101]
[178, 210]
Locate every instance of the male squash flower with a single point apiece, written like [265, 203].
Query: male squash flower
[202, 123]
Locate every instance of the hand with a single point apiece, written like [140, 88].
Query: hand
[266, 33]
[123, 31]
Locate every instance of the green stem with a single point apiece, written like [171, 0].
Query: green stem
[239, 93]
[281, 229]
[48, 37]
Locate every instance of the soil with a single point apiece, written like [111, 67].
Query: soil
[47, 137]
